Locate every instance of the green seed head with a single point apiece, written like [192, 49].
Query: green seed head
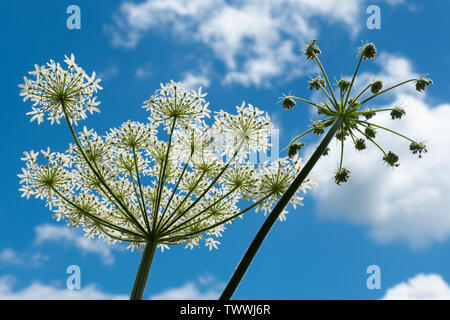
[317, 83]
[353, 104]
[294, 148]
[369, 113]
[341, 134]
[370, 132]
[312, 50]
[360, 144]
[344, 84]
[397, 113]
[368, 51]
[288, 103]
[341, 175]
[376, 86]
[422, 83]
[418, 148]
[317, 128]
[391, 159]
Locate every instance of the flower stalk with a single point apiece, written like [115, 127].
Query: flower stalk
[275, 213]
[144, 270]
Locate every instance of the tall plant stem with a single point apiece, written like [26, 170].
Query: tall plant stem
[276, 211]
[143, 271]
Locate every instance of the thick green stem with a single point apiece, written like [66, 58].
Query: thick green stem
[143, 271]
[276, 211]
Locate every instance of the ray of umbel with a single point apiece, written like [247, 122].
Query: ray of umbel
[347, 121]
[145, 186]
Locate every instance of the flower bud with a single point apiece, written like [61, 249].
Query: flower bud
[422, 83]
[317, 128]
[370, 132]
[341, 175]
[368, 51]
[317, 83]
[294, 148]
[341, 134]
[360, 144]
[369, 113]
[391, 159]
[312, 50]
[288, 103]
[376, 86]
[418, 148]
[397, 112]
[344, 84]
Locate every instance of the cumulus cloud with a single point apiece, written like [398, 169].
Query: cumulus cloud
[256, 40]
[63, 234]
[13, 258]
[39, 291]
[193, 81]
[206, 288]
[109, 73]
[144, 71]
[420, 287]
[408, 203]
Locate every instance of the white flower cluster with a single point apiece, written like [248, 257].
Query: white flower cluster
[135, 184]
[57, 92]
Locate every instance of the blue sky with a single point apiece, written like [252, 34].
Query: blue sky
[398, 220]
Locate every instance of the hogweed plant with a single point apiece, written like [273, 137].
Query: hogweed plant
[174, 180]
[348, 119]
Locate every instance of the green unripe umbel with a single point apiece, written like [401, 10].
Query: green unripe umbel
[288, 103]
[397, 113]
[369, 113]
[391, 159]
[344, 84]
[294, 148]
[418, 148]
[360, 144]
[317, 128]
[312, 50]
[317, 83]
[341, 175]
[368, 51]
[422, 83]
[370, 132]
[341, 134]
[376, 86]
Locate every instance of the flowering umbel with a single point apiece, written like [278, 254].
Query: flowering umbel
[53, 85]
[346, 111]
[132, 185]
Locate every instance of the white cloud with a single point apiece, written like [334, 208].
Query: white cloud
[63, 234]
[206, 288]
[193, 81]
[39, 291]
[109, 73]
[420, 287]
[144, 71]
[408, 203]
[10, 257]
[256, 40]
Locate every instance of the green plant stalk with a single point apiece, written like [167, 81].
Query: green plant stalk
[143, 271]
[276, 211]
